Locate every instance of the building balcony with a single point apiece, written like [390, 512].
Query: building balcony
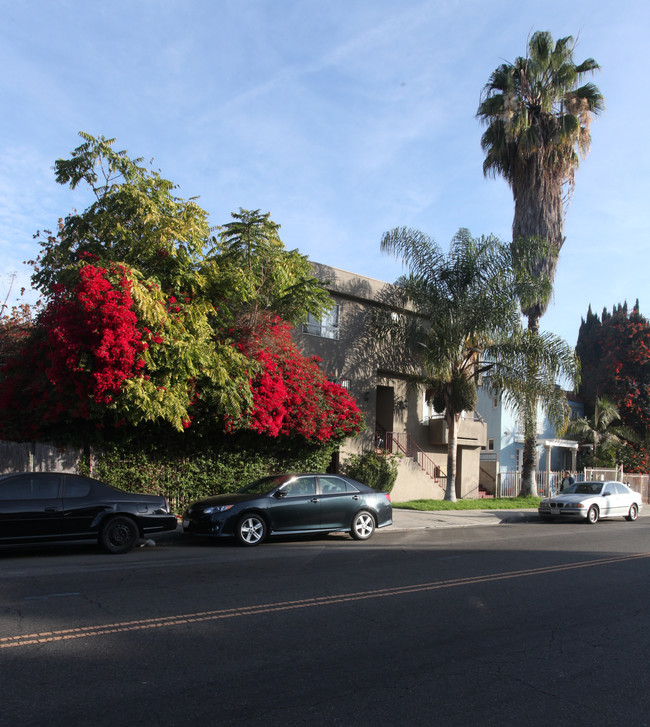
[472, 431]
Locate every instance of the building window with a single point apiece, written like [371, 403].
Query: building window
[490, 445]
[325, 327]
[343, 383]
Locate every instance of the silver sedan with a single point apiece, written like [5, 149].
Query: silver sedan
[591, 501]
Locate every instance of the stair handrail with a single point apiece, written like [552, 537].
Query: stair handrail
[412, 449]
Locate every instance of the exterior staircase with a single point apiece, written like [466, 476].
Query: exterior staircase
[403, 443]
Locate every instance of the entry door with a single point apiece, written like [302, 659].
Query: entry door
[384, 413]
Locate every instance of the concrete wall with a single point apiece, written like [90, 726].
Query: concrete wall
[37, 457]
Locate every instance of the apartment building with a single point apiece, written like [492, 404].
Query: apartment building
[397, 417]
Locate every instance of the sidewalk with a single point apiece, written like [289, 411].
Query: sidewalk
[417, 520]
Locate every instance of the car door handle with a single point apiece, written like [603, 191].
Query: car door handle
[51, 509]
[314, 499]
[356, 497]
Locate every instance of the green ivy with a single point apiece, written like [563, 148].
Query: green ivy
[184, 477]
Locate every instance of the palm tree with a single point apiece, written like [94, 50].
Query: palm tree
[464, 325]
[600, 431]
[538, 119]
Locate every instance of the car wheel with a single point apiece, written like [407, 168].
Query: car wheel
[119, 535]
[251, 529]
[633, 514]
[592, 515]
[363, 525]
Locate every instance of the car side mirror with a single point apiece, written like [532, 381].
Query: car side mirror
[280, 494]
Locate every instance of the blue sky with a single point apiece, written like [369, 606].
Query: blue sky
[343, 119]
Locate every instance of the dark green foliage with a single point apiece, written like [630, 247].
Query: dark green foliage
[614, 354]
[374, 469]
[186, 476]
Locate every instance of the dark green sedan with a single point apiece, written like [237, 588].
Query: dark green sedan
[288, 504]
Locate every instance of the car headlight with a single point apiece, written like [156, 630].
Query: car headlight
[216, 508]
[575, 504]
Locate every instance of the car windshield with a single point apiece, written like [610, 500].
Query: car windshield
[588, 488]
[263, 486]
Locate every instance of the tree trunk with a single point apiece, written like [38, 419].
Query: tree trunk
[529, 460]
[452, 449]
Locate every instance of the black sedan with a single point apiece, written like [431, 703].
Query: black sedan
[48, 506]
[288, 504]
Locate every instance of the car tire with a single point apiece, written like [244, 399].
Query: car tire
[251, 530]
[592, 515]
[363, 525]
[119, 535]
[633, 514]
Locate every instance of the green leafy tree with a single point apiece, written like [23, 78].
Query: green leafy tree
[538, 119]
[156, 240]
[254, 275]
[135, 219]
[141, 326]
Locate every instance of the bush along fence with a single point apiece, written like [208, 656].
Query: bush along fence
[180, 478]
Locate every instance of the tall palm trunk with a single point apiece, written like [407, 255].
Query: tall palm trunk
[529, 460]
[453, 422]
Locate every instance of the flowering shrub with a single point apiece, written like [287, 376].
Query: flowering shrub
[87, 344]
[93, 339]
[15, 329]
[291, 395]
[134, 334]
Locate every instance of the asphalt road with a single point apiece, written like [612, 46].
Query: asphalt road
[521, 624]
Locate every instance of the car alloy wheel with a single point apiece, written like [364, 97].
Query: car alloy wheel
[592, 515]
[633, 514]
[251, 529]
[363, 525]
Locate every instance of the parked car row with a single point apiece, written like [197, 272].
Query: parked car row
[53, 506]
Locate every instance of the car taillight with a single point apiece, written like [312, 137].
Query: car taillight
[387, 496]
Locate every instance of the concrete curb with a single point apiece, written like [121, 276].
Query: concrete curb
[418, 520]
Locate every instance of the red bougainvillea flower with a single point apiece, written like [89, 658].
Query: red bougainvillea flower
[88, 345]
[291, 394]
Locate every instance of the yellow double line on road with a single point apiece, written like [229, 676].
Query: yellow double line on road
[45, 637]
